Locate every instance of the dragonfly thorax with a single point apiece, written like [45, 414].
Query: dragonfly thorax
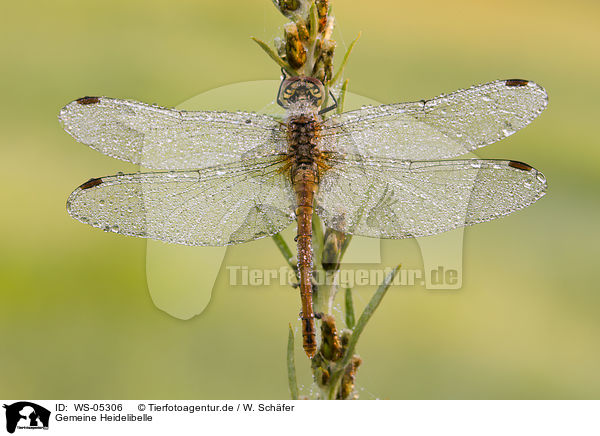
[303, 139]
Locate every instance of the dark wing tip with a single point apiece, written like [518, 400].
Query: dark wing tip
[516, 82]
[91, 183]
[520, 165]
[88, 100]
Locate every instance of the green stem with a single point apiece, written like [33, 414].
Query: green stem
[339, 368]
[350, 320]
[285, 250]
[291, 365]
[317, 239]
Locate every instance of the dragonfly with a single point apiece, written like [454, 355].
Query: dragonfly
[222, 178]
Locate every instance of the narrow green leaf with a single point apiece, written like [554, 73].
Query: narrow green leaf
[342, 99]
[360, 325]
[317, 239]
[283, 64]
[368, 313]
[291, 365]
[285, 250]
[350, 321]
[344, 61]
[313, 22]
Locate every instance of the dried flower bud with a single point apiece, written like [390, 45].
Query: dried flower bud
[327, 53]
[279, 46]
[345, 336]
[349, 378]
[329, 28]
[321, 370]
[332, 247]
[302, 31]
[331, 347]
[319, 71]
[287, 7]
[322, 10]
[295, 52]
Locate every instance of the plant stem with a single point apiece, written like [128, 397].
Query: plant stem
[285, 250]
[291, 365]
[339, 368]
[349, 305]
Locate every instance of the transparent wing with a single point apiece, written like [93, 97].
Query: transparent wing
[446, 126]
[215, 206]
[401, 199]
[161, 138]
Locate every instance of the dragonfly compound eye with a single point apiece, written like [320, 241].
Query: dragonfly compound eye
[301, 89]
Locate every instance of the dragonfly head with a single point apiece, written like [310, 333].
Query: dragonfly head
[301, 91]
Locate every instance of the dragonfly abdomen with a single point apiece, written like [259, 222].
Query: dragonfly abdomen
[305, 186]
[304, 154]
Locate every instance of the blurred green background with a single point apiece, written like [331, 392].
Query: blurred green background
[76, 318]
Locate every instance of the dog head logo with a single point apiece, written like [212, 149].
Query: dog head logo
[24, 414]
